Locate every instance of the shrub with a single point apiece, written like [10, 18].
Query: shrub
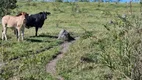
[6, 6]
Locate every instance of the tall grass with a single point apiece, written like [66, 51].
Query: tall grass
[104, 51]
[117, 55]
[119, 51]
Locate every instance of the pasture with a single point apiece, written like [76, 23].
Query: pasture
[107, 49]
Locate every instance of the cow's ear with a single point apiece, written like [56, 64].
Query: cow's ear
[48, 13]
[40, 12]
[23, 13]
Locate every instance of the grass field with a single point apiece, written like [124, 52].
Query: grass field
[108, 48]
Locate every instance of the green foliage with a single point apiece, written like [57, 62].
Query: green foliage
[84, 0]
[87, 34]
[6, 6]
[113, 54]
[26, 60]
[58, 0]
[57, 7]
[105, 51]
[75, 8]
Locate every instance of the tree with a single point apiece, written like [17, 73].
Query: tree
[58, 0]
[6, 6]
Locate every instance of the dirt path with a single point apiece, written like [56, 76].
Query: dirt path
[51, 66]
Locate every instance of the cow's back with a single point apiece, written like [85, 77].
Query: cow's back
[10, 20]
[30, 21]
[35, 20]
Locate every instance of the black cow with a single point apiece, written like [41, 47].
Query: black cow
[36, 20]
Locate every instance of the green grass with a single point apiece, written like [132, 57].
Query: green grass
[95, 56]
[28, 58]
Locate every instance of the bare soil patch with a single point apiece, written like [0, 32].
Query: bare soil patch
[51, 66]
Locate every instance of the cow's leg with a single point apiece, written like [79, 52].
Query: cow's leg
[18, 29]
[22, 34]
[16, 32]
[36, 29]
[4, 32]
[2, 35]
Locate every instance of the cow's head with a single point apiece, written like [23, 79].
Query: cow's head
[22, 13]
[45, 14]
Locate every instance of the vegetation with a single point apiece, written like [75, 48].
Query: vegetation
[110, 54]
[109, 46]
[6, 6]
